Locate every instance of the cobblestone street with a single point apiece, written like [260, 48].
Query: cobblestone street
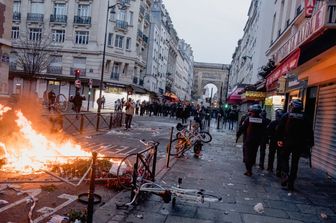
[220, 172]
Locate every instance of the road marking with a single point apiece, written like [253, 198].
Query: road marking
[129, 151]
[32, 193]
[68, 197]
[123, 149]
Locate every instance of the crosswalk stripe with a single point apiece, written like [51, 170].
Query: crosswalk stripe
[129, 152]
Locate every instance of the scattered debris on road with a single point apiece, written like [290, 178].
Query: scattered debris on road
[259, 208]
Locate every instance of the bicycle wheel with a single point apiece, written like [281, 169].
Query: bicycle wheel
[205, 137]
[178, 147]
[125, 171]
[62, 103]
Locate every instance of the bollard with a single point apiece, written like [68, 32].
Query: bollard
[190, 125]
[169, 147]
[111, 121]
[98, 122]
[154, 163]
[135, 177]
[81, 124]
[91, 189]
[218, 120]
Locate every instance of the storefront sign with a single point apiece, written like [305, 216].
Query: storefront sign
[113, 90]
[309, 7]
[305, 31]
[293, 83]
[289, 64]
[255, 94]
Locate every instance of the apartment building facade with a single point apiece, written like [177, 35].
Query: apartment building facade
[77, 34]
[303, 47]
[250, 53]
[210, 73]
[5, 44]
[157, 64]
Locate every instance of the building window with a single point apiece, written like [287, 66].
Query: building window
[58, 35]
[115, 71]
[37, 7]
[119, 41]
[15, 32]
[60, 9]
[128, 43]
[82, 37]
[35, 34]
[122, 15]
[110, 39]
[83, 10]
[16, 7]
[130, 18]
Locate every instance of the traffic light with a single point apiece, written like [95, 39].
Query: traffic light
[226, 106]
[77, 73]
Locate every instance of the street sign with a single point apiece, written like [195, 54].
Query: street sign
[78, 83]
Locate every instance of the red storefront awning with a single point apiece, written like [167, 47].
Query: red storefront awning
[234, 96]
[287, 65]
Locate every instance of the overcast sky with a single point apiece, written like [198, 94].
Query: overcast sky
[211, 27]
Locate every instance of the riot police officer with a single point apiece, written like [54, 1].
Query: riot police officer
[253, 129]
[295, 136]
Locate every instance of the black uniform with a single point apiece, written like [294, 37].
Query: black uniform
[297, 136]
[273, 147]
[253, 129]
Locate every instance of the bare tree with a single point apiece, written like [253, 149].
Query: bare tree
[34, 53]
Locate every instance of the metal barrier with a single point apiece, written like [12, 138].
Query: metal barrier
[86, 122]
[148, 168]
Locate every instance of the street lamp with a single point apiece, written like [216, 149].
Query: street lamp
[122, 6]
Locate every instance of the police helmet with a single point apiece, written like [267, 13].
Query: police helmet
[255, 108]
[278, 113]
[296, 104]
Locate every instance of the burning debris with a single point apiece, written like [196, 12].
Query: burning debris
[29, 151]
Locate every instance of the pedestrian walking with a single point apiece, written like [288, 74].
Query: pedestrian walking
[77, 103]
[252, 130]
[273, 146]
[51, 99]
[129, 113]
[295, 137]
[103, 102]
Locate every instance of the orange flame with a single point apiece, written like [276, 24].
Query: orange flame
[3, 109]
[34, 151]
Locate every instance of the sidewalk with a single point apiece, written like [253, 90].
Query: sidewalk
[220, 171]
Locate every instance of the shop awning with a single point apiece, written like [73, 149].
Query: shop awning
[234, 96]
[171, 96]
[287, 65]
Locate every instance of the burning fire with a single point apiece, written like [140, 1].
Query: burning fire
[33, 151]
[3, 109]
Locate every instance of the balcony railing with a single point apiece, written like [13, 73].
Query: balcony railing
[54, 70]
[147, 18]
[142, 10]
[16, 16]
[82, 72]
[58, 18]
[140, 34]
[125, 2]
[115, 76]
[35, 17]
[86, 20]
[135, 80]
[121, 25]
[145, 38]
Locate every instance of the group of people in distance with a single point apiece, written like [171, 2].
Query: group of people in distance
[290, 135]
